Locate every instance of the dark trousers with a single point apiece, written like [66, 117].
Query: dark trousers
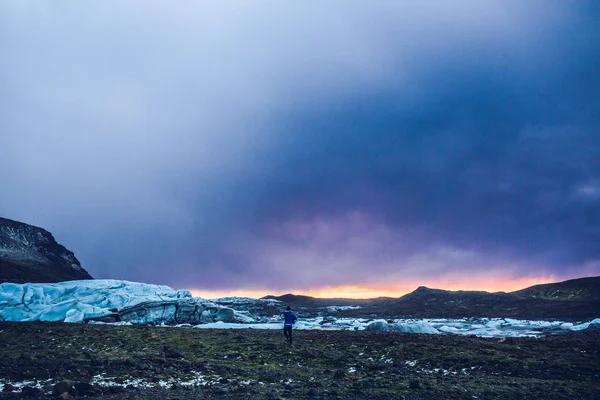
[287, 331]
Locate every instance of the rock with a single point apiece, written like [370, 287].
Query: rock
[339, 374]
[168, 352]
[219, 390]
[273, 394]
[31, 254]
[225, 314]
[594, 325]
[64, 396]
[62, 387]
[378, 326]
[414, 384]
[30, 391]
[8, 388]
[116, 389]
[85, 389]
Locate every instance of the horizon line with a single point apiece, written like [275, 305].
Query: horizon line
[355, 292]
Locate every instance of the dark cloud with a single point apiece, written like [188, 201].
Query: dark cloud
[298, 147]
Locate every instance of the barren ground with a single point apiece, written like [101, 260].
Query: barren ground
[228, 364]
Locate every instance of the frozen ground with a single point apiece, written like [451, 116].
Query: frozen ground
[495, 327]
[77, 301]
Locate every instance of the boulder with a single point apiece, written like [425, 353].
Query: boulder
[85, 389]
[415, 384]
[8, 388]
[30, 391]
[594, 325]
[168, 352]
[116, 389]
[62, 387]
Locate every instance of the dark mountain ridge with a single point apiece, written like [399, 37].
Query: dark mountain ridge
[575, 299]
[308, 301]
[574, 289]
[31, 254]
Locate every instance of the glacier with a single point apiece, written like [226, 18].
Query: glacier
[110, 301]
[133, 303]
[76, 300]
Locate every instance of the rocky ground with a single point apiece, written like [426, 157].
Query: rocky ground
[139, 362]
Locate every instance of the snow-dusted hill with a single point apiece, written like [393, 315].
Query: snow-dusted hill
[31, 254]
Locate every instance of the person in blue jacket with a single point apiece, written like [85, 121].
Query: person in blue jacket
[289, 319]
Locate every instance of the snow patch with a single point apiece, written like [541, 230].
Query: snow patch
[341, 308]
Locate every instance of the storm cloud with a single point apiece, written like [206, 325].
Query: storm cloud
[275, 146]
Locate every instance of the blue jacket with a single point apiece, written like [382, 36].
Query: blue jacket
[289, 318]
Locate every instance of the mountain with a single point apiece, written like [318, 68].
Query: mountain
[309, 302]
[31, 254]
[574, 289]
[576, 299]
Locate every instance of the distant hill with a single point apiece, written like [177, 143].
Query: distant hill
[575, 299]
[31, 254]
[312, 302]
[574, 289]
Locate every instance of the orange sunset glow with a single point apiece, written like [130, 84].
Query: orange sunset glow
[397, 290]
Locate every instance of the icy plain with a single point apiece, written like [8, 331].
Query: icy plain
[80, 301]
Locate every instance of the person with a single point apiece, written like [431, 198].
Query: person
[289, 318]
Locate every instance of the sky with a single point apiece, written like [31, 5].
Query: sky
[340, 148]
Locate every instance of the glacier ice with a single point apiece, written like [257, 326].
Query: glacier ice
[80, 301]
[123, 302]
